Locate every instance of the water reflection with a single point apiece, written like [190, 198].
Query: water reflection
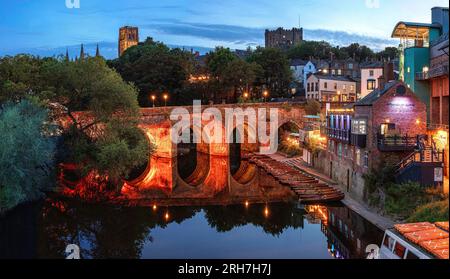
[282, 230]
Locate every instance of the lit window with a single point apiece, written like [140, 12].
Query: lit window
[366, 159]
[339, 72]
[371, 84]
[371, 73]
[359, 126]
[408, 70]
[340, 149]
[358, 157]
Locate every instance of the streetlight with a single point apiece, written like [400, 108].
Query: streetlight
[265, 94]
[245, 96]
[153, 100]
[165, 99]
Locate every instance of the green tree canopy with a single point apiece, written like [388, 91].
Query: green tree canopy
[276, 73]
[154, 68]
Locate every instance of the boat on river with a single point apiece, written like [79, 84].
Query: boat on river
[416, 241]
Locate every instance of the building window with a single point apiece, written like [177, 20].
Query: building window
[350, 66]
[358, 157]
[359, 126]
[408, 70]
[371, 73]
[339, 72]
[366, 159]
[344, 87]
[371, 84]
[325, 85]
[317, 86]
[308, 89]
[345, 150]
[333, 72]
[335, 86]
[339, 150]
[352, 87]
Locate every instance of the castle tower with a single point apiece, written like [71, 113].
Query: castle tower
[128, 36]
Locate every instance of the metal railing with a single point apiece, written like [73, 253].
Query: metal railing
[396, 142]
[340, 134]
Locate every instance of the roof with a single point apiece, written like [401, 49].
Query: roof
[369, 99]
[412, 30]
[427, 236]
[372, 65]
[298, 62]
[331, 77]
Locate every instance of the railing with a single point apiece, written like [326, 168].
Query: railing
[427, 155]
[339, 134]
[422, 75]
[437, 71]
[396, 143]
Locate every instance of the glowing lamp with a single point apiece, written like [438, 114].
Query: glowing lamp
[418, 121]
[166, 216]
[154, 207]
[246, 204]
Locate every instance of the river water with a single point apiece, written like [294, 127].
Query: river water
[282, 230]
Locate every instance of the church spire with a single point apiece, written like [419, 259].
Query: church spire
[82, 52]
[97, 52]
[67, 55]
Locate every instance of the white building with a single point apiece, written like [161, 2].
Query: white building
[370, 74]
[309, 68]
[297, 67]
[328, 88]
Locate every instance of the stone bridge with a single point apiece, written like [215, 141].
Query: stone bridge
[212, 172]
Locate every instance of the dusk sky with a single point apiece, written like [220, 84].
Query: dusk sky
[46, 27]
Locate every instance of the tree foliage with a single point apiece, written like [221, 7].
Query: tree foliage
[26, 153]
[276, 73]
[154, 68]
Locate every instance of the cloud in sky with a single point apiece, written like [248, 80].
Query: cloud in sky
[242, 35]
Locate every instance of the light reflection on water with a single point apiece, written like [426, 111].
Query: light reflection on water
[290, 230]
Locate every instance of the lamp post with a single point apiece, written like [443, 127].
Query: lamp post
[153, 100]
[245, 95]
[165, 96]
[265, 94]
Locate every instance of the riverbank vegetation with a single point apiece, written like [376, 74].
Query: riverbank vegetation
[26, 153]
[402, 201]
[104, 134]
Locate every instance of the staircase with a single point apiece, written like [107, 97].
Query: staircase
[420, 166]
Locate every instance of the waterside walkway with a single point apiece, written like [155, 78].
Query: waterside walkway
[380, 221]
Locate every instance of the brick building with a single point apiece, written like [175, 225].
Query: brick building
[388, 126]
[330, 88]
[283, 38]
[128, 37]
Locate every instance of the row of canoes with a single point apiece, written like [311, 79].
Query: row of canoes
[308, 188]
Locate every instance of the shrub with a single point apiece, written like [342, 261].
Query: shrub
[25, 153]
[431, 212]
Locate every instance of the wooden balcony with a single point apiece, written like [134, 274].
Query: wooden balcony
[396, 143]
[359, 140]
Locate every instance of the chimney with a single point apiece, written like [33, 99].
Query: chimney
[388, 71]
[381, 82]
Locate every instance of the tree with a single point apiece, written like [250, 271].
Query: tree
[312, 107]
[108, 132]
[26, 153]
[276, 73]
[154, 69]
[388, 53]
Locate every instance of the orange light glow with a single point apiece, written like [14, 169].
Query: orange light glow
[266, 211]
[418, 121]
[246, 204]
[167, 216]
[153, 97]
[155, 207]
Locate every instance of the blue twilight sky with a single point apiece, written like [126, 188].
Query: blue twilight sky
[47, 27]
